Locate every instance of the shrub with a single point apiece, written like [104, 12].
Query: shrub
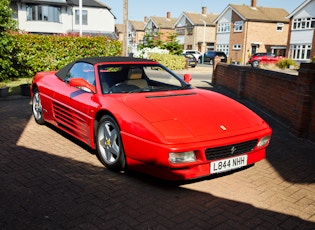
[7, 43]
[41, 53]
[173, 62]
[286, 63]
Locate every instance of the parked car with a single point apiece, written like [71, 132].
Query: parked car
[196, 53]
[137, 114]
[191, 60]
[208, 57]
[263, 58]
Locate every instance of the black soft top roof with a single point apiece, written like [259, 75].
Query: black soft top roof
[94, 60]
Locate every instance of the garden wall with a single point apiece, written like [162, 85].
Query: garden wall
[289, 97]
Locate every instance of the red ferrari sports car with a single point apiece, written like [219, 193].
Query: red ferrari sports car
[139, 115]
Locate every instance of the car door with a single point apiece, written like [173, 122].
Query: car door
[74, 108]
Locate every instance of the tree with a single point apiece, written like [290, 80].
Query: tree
[7, 43]
[171, 44]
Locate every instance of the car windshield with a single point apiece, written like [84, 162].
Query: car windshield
[131, 78]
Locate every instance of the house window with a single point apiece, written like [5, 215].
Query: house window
[43, 13]
[84, 17]
[303, 23]
[280, 26]
[224, 27]
[190, 30]
[238, 26]
[223, 48]
[300, 52]
[237, 46]
[180, 31]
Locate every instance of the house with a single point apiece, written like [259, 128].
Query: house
[62, 17]
[135, 34]
[301, 42]
[119, 31]
[196, 31]
[243, 30]
[160, 28]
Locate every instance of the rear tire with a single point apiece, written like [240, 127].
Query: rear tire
[109, 144]
[37, 108]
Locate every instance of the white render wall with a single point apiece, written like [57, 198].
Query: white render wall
[100, 20]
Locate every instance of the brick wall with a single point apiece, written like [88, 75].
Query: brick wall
[290, 98]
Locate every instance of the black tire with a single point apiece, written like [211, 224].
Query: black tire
[109, 145]
[255, 64]
[37, 108]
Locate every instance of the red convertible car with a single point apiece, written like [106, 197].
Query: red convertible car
[141, 116]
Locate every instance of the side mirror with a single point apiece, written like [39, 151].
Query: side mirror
[187, 77]
[82, 84]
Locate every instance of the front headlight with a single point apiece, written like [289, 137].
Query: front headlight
[183, 157]
[263, 141]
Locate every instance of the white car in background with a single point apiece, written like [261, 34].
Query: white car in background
[196, 53]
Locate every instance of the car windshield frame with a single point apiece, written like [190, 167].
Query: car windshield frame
[150, 77]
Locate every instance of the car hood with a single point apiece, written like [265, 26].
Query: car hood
[194, 114]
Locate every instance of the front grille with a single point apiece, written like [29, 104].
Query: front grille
[230, 150]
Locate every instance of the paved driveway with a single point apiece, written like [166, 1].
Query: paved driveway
[50, 181]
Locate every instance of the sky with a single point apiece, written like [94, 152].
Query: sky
[138, 9]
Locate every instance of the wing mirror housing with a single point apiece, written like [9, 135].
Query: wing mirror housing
[82, 84]
[187, 77]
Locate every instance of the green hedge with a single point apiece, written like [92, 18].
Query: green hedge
[38, 53]
[173, 62]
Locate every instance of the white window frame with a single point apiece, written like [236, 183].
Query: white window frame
[303, 23]
[223, 48]
[280, 26]
[238, 26]
[237, 46]
[43, 13]
[224, 27]
[84, 17]
[300, 52]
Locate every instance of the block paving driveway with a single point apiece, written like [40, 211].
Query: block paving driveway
[50, 181]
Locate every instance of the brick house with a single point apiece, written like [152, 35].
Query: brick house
[62, 17]
[243, 30]
[196, 31]
[301, 42]
[160, 28]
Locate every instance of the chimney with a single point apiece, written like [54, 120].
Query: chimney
[145, 19]
[254, 3]
[168, 15]
[204, 10]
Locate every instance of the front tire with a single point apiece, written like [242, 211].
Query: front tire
[255, 64]
[37, 108]
[109, 144]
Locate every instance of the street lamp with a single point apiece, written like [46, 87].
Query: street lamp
[80, 16]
